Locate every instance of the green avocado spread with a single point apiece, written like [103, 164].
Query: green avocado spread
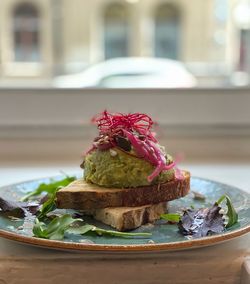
[115, 168]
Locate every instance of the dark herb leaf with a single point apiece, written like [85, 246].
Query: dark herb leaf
[81, 230]
[198, 196]
[18, 209]
[231, 213]
[201, 222]
[171, 217]
[123, 143]
[49, 187]
[55, 230]
[206, 221]
[9, 205]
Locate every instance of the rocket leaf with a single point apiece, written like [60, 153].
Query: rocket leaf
[231, 213]
[49, 187]
[55, 230]
[84, 229]
[171, 217]
[48, 206]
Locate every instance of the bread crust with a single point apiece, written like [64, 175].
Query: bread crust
[83, 196]
[128, 218]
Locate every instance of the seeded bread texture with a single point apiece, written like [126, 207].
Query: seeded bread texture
[85, 196]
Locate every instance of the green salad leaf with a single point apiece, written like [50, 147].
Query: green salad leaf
[56, 229]
[231, 213]
[48, 206]
[50, 188]
[84, 229]
[171, 217]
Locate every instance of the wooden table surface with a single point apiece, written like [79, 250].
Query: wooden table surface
[220, 263]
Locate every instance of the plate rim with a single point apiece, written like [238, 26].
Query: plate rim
[185, 244]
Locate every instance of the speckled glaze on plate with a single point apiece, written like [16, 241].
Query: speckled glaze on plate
[164, 236]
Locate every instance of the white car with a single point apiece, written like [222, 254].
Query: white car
[131, 72]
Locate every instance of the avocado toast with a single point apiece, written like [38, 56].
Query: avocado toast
[128, 177]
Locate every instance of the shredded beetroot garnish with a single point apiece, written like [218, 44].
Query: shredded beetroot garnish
[137, 128]
[109, 123]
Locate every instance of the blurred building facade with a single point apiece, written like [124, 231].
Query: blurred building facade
[40, 39]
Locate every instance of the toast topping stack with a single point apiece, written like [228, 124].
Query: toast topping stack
[127, 174]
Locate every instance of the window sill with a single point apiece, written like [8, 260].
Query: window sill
[53, 123]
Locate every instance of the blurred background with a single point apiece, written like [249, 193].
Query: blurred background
[185, 63]
[124, 43]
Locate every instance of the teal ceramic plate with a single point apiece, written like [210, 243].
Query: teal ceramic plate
[164, 236]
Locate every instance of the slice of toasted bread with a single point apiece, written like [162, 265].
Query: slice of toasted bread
[128, 218]
[85, 196]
